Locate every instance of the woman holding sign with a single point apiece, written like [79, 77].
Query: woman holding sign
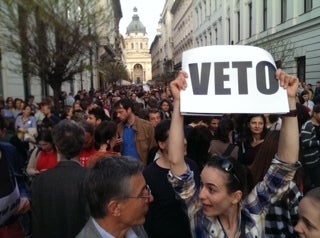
[222, 207]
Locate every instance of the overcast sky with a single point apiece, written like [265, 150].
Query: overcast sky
[149, 12]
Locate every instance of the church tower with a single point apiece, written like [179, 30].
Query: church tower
[138, 58]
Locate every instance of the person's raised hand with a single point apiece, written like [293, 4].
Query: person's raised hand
[178, 84]
[288, 82]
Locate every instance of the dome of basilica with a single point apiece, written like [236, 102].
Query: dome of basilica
[136, 25]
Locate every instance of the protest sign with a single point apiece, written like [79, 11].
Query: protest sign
[231, 79]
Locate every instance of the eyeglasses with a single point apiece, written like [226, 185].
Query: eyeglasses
[227, 166]
[148, 195]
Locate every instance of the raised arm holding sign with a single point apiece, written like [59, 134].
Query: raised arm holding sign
[214, 209]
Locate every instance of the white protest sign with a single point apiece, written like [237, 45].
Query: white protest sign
[231, 79]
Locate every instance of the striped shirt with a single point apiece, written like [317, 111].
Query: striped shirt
[310, 143]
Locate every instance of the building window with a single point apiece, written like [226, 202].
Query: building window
[265, 15]
[229, 30]
[205, 8]
[283, 10]
[301, 68]
[238, 19]
[307, 5]
[132, 46]
[141, 47]
[200, 13]
[250, 19]
[216, 34]
[197, 17]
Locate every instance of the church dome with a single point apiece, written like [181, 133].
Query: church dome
[136, 25]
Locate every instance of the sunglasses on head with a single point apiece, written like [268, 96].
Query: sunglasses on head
[228, 166]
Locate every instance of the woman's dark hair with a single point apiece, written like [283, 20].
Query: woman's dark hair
[237, 174]
[303, 115]
[168, 102]
[153, 102]
[104, 132]
[46, 136]
[224, 127]
[98, 103]
[274, 117]
[161, 132]
[98, 113]
[263, 159]
[198, 143]
[26, 105]
[248, 134]
[304, 92]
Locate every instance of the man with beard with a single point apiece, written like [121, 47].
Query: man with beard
[137, 134]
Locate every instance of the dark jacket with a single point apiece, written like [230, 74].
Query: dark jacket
[13, 185]
[58, 201]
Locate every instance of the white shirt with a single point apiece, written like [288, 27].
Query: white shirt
[130, 233]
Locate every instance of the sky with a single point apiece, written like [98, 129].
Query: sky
[149, 12]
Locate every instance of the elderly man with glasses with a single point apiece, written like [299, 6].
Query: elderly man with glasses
[118, 199]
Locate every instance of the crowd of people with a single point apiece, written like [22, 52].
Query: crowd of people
[126, 163]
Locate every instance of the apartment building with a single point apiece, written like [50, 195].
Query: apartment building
[288, 29]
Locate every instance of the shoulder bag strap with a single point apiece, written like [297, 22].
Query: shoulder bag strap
[229, 150]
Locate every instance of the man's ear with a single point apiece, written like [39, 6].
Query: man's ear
[114, 208]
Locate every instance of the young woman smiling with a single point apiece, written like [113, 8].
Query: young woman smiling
[221, 206]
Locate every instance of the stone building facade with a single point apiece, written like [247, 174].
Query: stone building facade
[137, 56]
[288, 29]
